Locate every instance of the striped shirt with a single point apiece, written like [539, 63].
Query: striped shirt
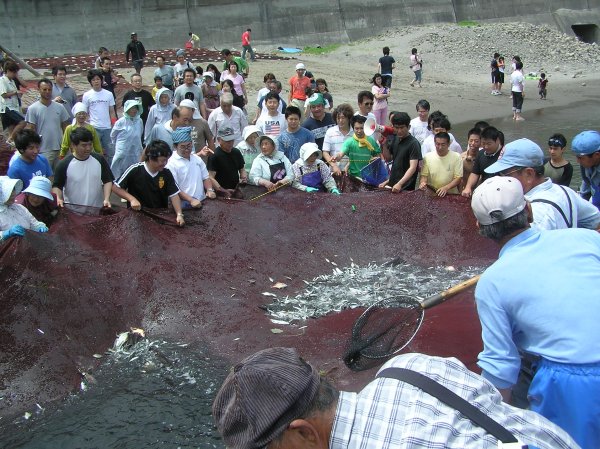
[390, 414]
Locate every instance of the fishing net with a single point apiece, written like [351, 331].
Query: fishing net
[375, 172]
[383, 330]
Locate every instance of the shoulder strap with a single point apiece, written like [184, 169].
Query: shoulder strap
[570, 224]
[451, 399]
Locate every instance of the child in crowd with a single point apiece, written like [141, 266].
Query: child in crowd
[324, 90]
[102, 53]
[81, 116]
[158, 84]
[542, 83]
[501, 67]
[557, 168]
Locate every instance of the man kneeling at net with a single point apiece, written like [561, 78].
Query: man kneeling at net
[275, 400]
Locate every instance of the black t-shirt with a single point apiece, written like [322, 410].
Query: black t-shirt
[386, 64]
[227, 167]
[403, 151]
[483, 161]
[151, 191]
[145, 97]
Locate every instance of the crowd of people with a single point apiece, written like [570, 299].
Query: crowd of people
[201, 134]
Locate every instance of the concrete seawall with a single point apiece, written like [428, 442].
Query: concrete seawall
[56, 27]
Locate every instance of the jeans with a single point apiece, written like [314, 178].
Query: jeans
[107, 146]
[248, 48]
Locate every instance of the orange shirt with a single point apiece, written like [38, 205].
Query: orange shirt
[297, 87]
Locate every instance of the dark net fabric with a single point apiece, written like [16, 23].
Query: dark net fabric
[381, 331]
[67, 293]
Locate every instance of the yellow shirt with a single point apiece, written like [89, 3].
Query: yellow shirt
[440, 171]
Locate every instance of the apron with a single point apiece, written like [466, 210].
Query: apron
[211, 97]
[277, 171]
[596, 196]
[312, 179]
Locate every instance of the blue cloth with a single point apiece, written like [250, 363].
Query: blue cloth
[541, 296]
[24, 171]
[290, 143]
[551, 395]
[590, 184]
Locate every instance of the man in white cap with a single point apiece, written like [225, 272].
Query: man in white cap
[189, 170]
[202, 137]
[586, 146]
[541, 298]
[554, 206]
[298, 84]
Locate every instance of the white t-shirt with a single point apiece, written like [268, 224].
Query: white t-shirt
[517, 80]
[428, 145]
[98, 104]
[419, 130]
[8, 85]
[334, 139]
[189, 174]
[272, 126]
[261, 93]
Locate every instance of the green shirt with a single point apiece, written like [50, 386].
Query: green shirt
[359, 156]
[242, 64]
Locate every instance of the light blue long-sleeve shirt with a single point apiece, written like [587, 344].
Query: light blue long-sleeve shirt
[541, 296]
[590, 184]
[579, 212]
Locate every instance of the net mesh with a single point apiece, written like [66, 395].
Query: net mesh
[374, 173]
[383, 330]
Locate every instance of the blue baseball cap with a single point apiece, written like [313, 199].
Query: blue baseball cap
[520, 153]
[586, 142]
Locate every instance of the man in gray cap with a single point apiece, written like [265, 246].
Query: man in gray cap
[554, 206]
[275, 400]
[540, 298]
[226, 165]
[136, 50]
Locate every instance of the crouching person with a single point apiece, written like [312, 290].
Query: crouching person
[311, 174]
[271, 168]
[149, 183]
[14, 218]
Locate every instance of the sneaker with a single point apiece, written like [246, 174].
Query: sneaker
[493, 92]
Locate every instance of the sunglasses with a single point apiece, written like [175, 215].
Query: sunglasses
[556, 143]
[510, 172]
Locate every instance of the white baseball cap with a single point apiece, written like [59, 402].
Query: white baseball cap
[300, 66]
[497, 199]
[190, 104]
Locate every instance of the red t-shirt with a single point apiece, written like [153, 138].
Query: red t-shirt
[246, 38]
[298, 86]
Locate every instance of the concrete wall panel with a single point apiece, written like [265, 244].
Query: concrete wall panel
[56, 27]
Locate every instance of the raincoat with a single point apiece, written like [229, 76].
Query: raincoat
[126, 136]
[159, 113]
[11, 213]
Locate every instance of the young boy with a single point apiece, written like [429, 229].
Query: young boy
[273, 122]
[30, 162]
[558, 169]
[158, 84]
[149, 184]
[10, 110]
[542, 86]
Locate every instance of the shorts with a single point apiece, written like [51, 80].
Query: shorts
[11, 118]
[500, 77]
[496, 76]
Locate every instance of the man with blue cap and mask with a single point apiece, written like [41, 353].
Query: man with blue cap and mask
[586, 146]
[189, 170]
[554, 206]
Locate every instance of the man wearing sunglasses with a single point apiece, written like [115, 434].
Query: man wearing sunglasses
[586, 146]
[554, 206]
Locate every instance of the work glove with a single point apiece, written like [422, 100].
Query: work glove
[15, 231]
[335, 191]
[43, 229]
[311, 189]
